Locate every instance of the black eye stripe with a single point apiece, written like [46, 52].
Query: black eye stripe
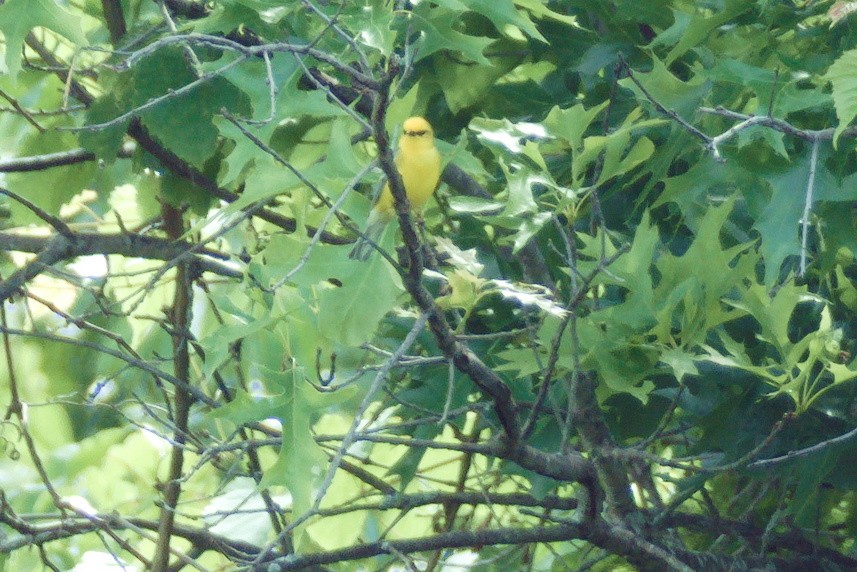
[415, 133]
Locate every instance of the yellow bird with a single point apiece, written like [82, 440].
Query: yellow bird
[418, 162]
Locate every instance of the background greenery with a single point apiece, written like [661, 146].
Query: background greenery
[621, 337]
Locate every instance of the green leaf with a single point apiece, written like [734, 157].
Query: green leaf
[529, 295]
[295, 102]
[340, 165]
[404, 106]
[774, 312]
[439, 34]
[407, 465]
[520, 184]
[180, 192]
[19, 17]
[244, 153]
[218, 345]
[506, 135]
[349, 314]
[539, 9]
[632, 272]
[473, 205]
[811, 473]
[682, 97]
[572, 123]
[522, 362]
[799, 97]
[183, 123]
[690, 190]
[803, 370]
[682, 363]
[529, 228]
[464, 85]
[376, 27]
[760, 80]
[671, 35]
[247, 408]
[104, 142]
[619, 159]
[774, 139]
[623, 370]
[843, 77]
[300, 460]
[694, 285]
[465, 290]
[247, 78]
[502, 13]
[226, 17]
[700, 27]
[779, 222]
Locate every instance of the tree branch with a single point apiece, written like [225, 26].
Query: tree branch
[464, 359]
[55, 248]
[179, 318]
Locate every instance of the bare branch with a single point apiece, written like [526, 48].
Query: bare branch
[458, 539]
[780, 125]
[137, 363]
[661, 108]
[807, 208]
[464, 359]
[56, 248]
[50, 160]
[57, 224]
[251, 51]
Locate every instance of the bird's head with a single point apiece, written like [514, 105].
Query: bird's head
[417, 129]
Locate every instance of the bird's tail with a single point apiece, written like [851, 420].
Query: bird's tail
[374, 228]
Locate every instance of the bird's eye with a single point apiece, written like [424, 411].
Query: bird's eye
[415, 133]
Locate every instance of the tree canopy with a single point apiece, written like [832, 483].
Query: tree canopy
[619, 336]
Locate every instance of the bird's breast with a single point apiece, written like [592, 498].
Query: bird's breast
[420, 174]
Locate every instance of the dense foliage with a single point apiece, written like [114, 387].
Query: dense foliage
[619, 337]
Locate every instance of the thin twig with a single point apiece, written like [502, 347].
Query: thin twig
[57, 224]
[351, 436]
[155, 101]
[807, 208]
[798, 453]
[21, 111]
[660, 107]
[140, 364]
[252, 51]
[782, 125]
[328, 216]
